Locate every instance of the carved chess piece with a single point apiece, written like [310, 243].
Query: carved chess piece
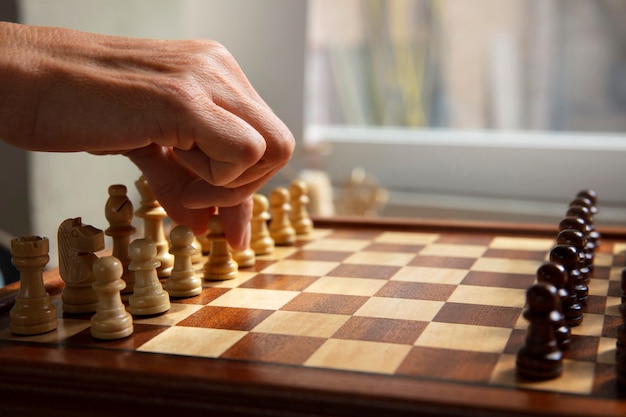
[220, 265]
[149, 297]
[300, 220]
[260, 240]
[280, 226]
[183, 281]
[153, 215]
[556, 275]
[119, 213]
[111, 320]
[78, 243]
[540, 357]
[567, 256]
[33, 312]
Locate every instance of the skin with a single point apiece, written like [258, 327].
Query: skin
[181, 110]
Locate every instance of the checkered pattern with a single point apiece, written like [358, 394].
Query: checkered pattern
[430, 305]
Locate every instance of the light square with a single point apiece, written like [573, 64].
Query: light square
[254, 298]
[603, 259]
[430, 275]
[598, 287]
[577, 377]
[346, 286]
[302, 324]
[242, 276]
[340, 245]
[399, 308]
[301, 267]
[612, 306]
[521, 243]
[407, 238]
[176, 314]
[591, 325]
[606, 351]
[460, 251]
[379, 258]
[280, 252]
[615, 274]
[193, 341]
[464, 337]
[493, 296]
[506, 266]
[356, 355]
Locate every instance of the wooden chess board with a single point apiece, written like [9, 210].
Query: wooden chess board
[362, 317]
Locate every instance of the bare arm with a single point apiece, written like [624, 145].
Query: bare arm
[183, 111]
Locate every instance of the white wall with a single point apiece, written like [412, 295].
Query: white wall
[75, 185]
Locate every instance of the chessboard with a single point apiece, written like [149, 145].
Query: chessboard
[358, 317]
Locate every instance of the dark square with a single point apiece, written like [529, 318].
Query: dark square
[325, 303]
[582, 348]
[611, 325]
[497, 279]
[206, 296]
[364, 271]
[515, 254]
[595, 304]
[442, 262]
[284, 349]
[479, 315]
[319, 255]
[416, 290]
[226, 318]
[141, 334]
[360, 234]
[381, 330]
[446, 364]
[393, 247]
[279, 282]
[465, 238]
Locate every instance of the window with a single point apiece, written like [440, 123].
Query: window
[466, 109]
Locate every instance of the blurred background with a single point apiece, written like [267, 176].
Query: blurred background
[478, 110]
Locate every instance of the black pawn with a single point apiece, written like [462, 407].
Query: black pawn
[576, 239]
[567, 255]
[620, 352]
[556, 275]
[623, 285]
[540, 357]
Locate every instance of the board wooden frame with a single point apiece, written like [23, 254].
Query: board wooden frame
[69, 381]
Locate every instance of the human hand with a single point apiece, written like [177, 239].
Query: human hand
[182, 111]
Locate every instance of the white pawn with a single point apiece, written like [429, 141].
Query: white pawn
[220, 265]
[260, 240]
[183, 281]
[280, 226]
[300, 219]
[245, 258]
[149, 297]
[111, 320]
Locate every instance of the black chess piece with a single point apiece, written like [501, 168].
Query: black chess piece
[577, 239]
[567, 255]
[620, 349]
[556, 275]
[540, 357]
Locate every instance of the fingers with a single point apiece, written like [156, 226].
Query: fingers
[167, 178]
[232, 152]
[236, 224]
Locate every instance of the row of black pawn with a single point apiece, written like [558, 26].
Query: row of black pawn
[556, 302]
